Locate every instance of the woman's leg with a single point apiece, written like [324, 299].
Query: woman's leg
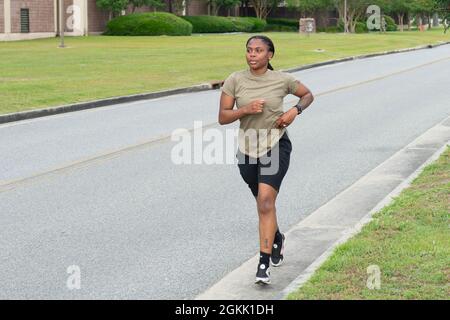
[248, 171]
[268, 189]
[265, 202]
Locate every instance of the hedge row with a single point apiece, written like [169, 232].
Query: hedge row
[331, 29]
[390, 24]
[164, 23]
[148, 24]
[282, 24]
[216, 24]
[361, 26]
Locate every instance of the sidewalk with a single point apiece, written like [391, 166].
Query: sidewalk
[313, 239]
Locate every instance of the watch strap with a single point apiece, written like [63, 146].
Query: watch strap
[299, 108]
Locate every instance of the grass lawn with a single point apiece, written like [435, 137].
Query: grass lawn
[36, 73]
[409, 240]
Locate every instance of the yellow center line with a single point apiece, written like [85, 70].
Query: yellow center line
[10, 184]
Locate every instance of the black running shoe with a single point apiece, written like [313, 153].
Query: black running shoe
[276, 258]
[263, 274]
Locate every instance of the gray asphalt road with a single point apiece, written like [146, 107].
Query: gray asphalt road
[97, 188]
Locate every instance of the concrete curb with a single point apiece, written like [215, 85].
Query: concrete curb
[10, 117]
[364, 56]
[313, 267]
[314, 238]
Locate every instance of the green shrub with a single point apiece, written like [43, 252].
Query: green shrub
[211, 24]
[241, 24]
[216, 24]
[248, 24]
[276, 27]
[148, 24]
[281, 24]
[330, 29]
[390, 24]
[258, 24]
[284, 22]
[360, 27]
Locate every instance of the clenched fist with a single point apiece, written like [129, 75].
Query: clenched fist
[254, 107]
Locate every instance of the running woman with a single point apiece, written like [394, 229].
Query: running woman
[264, 146]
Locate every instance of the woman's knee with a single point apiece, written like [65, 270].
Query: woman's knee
[265, 204]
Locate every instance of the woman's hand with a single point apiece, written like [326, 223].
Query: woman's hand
[254, 107]
[287, 118]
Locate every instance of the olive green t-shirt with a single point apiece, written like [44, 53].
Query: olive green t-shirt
[258, 133]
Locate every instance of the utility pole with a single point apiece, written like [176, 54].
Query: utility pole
[345, 17]
[61, 23]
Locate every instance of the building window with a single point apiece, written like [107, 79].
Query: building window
[24, 20]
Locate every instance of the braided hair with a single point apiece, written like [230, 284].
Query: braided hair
[269, 44]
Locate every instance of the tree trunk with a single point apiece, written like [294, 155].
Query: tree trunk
[352, 18]
[436, 20]
[340, 16]
[266, 12]
[347, 24]
[216, 10]
[257, 11]
[400, 21]
[340, 10]
[261, 11]
[186, 7]
[352, 23]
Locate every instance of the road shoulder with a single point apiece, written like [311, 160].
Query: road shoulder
[312, 240]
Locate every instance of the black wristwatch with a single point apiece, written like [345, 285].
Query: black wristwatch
[299, 108]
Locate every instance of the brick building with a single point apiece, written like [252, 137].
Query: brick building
[30, 19]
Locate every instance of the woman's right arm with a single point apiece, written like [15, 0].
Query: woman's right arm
[228, 115]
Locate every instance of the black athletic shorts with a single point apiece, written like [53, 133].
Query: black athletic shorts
[269, 168]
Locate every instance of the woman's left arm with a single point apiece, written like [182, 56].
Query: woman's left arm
[306, 98]
[305, 95]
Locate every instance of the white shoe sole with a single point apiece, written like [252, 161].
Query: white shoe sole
[278, 264]
[281, 252]
[262, 281]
